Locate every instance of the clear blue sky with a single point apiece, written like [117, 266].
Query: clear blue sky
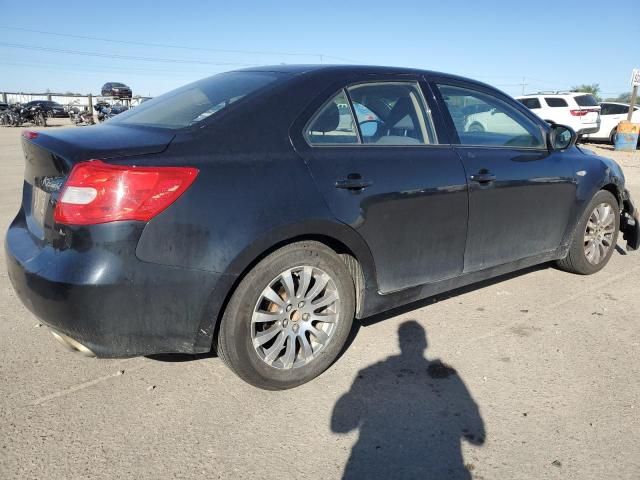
[552, 45]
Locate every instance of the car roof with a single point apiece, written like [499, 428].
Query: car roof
[554, 94]
[616, 103]
[310, 69]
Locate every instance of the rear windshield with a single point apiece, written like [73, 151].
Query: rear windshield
[197, 101]
[586, 101]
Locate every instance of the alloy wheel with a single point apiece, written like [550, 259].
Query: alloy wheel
[295, 317]
[599, 232]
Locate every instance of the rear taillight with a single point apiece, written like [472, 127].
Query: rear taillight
[578, 113]
[97, 192]
[29, 134]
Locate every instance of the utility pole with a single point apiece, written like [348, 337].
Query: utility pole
[635, 81]
[524, 84]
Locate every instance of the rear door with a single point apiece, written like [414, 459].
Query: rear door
[520, 194]
[372, 149]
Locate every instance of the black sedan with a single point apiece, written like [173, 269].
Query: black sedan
[53, 109]
[115, 89]
[257, 212]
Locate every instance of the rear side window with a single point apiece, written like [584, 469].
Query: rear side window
[586, 101]
[555, 102]
[392, 113]
[197, 101]
[530, 103]
[496, 123]
[333, 124]
[385, 113]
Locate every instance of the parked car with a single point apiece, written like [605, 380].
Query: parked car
[54, 109]
[239, 213]
[611, 114]
[4, 106]
[577, 110]
[115, 89]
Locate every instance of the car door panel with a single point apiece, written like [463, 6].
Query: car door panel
[413, 216]
[524, 212]
[520, 194]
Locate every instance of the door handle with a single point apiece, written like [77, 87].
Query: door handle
[483, 177]
[354, 181]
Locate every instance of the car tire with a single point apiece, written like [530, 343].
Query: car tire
[595, 236]
[612, 136]
[261, 307]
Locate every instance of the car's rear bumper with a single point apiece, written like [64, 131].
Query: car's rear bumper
[588, 128]
[108, 300]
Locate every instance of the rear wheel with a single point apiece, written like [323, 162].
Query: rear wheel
[595, 237]
[289, 318]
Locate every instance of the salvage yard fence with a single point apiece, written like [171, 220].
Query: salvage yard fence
[80, 101]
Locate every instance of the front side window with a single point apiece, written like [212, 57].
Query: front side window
[197, 101]
[483, 119]
[392, 113]
[333, 124]
[555, 102]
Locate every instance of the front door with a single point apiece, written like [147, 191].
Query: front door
[373, 153]
[520, 193]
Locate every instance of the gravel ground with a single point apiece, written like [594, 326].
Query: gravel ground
[534, 375]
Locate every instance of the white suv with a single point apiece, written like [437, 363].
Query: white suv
[577, 110]
[611, 114]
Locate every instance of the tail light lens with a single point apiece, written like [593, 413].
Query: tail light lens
[97, 192]
[578, 113]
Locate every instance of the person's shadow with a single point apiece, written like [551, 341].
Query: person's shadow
[413, 414]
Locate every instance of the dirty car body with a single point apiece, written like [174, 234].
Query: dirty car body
[419, 219]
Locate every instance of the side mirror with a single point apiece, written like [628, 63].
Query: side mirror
[561, 137]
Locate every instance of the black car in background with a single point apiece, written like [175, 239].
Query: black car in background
[257, 212]
[115, 89]
[3, 106]
[52, 108]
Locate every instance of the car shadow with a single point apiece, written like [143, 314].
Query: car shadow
[379, 317]
[412, 414]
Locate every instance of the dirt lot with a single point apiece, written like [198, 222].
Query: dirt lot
[546, 385]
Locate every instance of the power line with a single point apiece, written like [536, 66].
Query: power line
[181, 47]
[121, 57]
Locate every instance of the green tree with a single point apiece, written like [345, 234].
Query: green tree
[593, 89]
[622, 98]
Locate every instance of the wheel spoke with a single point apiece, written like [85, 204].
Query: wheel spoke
[325, 301]
[272, 296]
[320, 335]
[290, 352]
[287, 281]
[321, 282]
[326, 318]
[261, 317]
[272, 353]
[305, 280]
[305, 350]
[263, 337]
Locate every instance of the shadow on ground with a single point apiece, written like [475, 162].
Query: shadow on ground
[412, 414]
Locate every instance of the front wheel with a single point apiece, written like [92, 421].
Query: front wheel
[289, 318]
[595, 236]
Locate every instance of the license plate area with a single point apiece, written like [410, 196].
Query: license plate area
[40, 200]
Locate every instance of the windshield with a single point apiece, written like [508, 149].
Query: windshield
[197, 101]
